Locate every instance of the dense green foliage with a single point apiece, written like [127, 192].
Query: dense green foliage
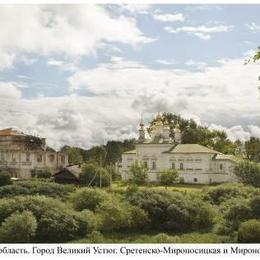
[104, 155]
[249, 231]
[18, 228]
[138, 174]
[219, 214]
[252, 148]
[192, 133]
[94, 175]
[248, 172]
[173, 211]
[35, 187]
[5, 178]
[168, 177]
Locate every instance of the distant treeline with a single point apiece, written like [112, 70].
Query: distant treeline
[192, 133]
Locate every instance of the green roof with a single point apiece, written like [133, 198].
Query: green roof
[192, 148]
[226, 157]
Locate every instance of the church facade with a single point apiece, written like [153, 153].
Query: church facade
[21, 154]
[195, 163]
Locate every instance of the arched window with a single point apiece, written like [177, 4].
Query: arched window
[181, 166]
[173, 165]
[28, 157]
[39, 157]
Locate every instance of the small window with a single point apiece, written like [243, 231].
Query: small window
[28, 157]
[154, 165]
[173, 165]
[39, 157]
[221, 166]
[146, 165]
[195, 180]
[62, 159]
[181, 166]
[51, 158]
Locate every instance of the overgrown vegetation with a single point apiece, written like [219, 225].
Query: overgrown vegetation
[47, 212]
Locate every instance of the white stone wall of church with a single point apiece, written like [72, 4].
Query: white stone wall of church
[199, 166]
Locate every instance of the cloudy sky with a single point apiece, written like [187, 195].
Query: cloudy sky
[82, 75]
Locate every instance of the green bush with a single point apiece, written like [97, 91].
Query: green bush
[168, 177]
[20, 227]
[87, 221]
[237, 213]
[36, 187]
[249, 231]
[95, 237]
[5, 178]
[56, 221]
[138, 174]
[43, 173]
[89, 198]
[223, 192]
[248, 172]
[172, 210]
[255, 206]
[118, 215]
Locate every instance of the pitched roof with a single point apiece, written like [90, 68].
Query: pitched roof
[75, 170]
[10, 131]
[130, 152]
[226, 157]
[192, 148]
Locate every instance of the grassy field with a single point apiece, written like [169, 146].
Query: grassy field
[176, 187]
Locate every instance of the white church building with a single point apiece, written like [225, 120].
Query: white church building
[195, 163]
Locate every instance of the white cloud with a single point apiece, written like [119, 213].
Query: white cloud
[203, 32]
[231, 86]
[73, 30]
[196, 64]
[67, 66]
[136, 8]
[6, 60]
[121, 90]
[166, 62]
[253, 27]
[234, 133]
[9, 91]
[178, 17]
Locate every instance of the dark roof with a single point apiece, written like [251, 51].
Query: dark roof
[74, 170]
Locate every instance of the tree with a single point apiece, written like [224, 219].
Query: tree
[168, 177]
[94, 175]
[248, 173]
[139, 173]
[257, 55]
[249, 232]
[18, 228]
[252, 148]
[74, 154]
[192, 133]
[5, 178]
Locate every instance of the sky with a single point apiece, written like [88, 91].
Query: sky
[81, 75]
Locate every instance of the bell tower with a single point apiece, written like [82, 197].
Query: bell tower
[177, 134]
[141, 137]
